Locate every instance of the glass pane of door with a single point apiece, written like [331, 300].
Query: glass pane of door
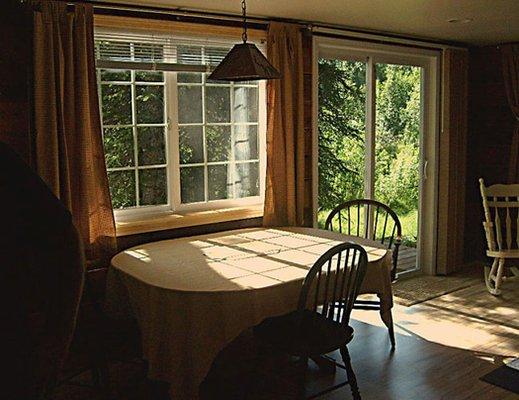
[341, 133]
[397, 150]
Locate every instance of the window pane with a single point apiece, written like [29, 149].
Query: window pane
[152, 146]
[191, 145]
[190, 104]
[192, 184]
[246, 179]
[115, 75]
[150, 104]
[117, 104]
[189, 77]
[220, 186]
[246, 142]
[153, 186]
[149, 76]
[246, 104]
[122, 188]
[218, 140]
[217, 104]
[118, 145]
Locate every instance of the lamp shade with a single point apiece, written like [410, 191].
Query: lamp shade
[244, 63]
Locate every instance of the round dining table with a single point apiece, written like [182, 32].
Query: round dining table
[192, 296]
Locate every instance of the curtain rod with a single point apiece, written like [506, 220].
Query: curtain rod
[360, 34]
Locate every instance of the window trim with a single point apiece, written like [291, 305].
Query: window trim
[172, 165]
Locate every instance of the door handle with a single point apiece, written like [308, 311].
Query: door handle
[425, 164]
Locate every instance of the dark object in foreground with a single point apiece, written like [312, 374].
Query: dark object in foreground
[41, 277]
[504, 377]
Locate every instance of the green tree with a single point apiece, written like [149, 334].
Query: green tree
[341, 131]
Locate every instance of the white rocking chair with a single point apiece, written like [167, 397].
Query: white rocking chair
[501, 205]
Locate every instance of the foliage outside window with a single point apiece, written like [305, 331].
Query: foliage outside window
[176, 140]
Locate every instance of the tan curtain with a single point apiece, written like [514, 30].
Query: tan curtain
[69, 149]
[510, 54]
[285, 191]
[452, 163]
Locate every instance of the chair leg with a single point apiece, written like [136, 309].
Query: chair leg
[494, 276]
[391, 330]
[101, 379]
[352, 380]
[387, 318]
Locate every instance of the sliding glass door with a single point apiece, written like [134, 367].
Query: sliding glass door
[376, 135]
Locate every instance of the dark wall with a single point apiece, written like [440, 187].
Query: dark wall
[15, 62]
[491, 124]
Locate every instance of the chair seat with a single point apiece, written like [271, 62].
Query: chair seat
[303, 333]
[503, 253]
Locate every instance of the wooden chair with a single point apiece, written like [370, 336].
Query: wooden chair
[373, 220]
[321, 323]
[501, 207]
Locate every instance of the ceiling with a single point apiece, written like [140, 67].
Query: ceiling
[492, 21]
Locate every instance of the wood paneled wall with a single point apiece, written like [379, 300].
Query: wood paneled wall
[489, 138]
[15, 62]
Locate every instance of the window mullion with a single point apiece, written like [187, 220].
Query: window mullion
[204, 136]
[173, 133]
[134, 130]
[369, 183]
[232, 166]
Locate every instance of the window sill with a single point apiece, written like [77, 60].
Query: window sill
[172, 220]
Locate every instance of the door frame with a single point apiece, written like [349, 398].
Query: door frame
[430, 62]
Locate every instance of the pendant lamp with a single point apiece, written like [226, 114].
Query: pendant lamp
[244, 62]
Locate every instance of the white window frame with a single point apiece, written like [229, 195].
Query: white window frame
[172, 149]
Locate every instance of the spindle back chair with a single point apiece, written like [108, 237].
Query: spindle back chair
[320, 324]
[373, 220]
[501, 225]
[369, 219]
[333, 283]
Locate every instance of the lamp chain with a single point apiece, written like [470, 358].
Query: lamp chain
[244, 13]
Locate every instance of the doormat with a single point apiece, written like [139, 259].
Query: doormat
[418, 289]
[505, 377]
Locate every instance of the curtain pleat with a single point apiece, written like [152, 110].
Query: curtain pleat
[285, 176]
[510, 53]
[452, 161]
[68, 140]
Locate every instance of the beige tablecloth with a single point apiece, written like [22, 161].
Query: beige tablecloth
[192, 296]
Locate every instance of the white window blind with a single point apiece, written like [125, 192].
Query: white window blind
[158, 52]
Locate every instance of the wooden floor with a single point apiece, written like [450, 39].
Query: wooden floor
[444, 346]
